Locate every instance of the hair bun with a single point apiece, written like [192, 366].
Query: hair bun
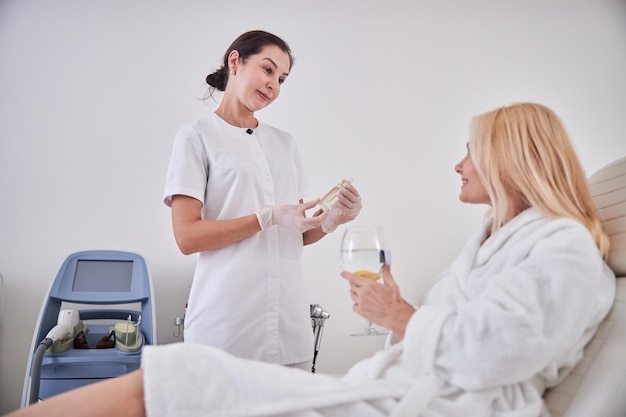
[218, 79]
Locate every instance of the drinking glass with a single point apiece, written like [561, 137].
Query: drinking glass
[364, 252]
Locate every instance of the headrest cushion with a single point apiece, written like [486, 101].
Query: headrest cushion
[608, 188]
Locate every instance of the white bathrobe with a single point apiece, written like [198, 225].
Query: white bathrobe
[508, 319]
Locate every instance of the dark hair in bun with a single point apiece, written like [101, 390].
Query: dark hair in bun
[247, 44]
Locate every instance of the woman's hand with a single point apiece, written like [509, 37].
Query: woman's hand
[345, 209]
[380, 303]
[291, 216]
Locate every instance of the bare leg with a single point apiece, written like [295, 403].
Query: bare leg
[121, 396]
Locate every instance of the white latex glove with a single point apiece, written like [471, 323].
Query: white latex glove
[291, 216]
[345, 209]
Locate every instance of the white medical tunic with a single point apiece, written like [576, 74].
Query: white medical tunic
[249, 298]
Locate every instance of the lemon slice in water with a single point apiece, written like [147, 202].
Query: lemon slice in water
[367, 274]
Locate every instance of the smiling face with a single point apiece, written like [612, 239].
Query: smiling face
[257, 80]
[472, 191]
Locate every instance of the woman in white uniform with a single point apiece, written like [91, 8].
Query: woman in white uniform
[509, 318]
[230, 178]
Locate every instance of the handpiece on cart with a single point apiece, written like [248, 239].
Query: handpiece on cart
[61, 333]
[64, 330]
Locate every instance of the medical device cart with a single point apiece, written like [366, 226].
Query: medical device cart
[111, 290]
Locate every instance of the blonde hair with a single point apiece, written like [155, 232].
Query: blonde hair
[524, 156]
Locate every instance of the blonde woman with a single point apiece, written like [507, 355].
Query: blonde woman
[509, 318]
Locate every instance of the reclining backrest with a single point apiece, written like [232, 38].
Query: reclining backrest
[597, 387]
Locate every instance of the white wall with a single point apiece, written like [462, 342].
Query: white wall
[92, 94]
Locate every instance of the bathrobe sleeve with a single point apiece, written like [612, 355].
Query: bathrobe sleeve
[526, 308]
